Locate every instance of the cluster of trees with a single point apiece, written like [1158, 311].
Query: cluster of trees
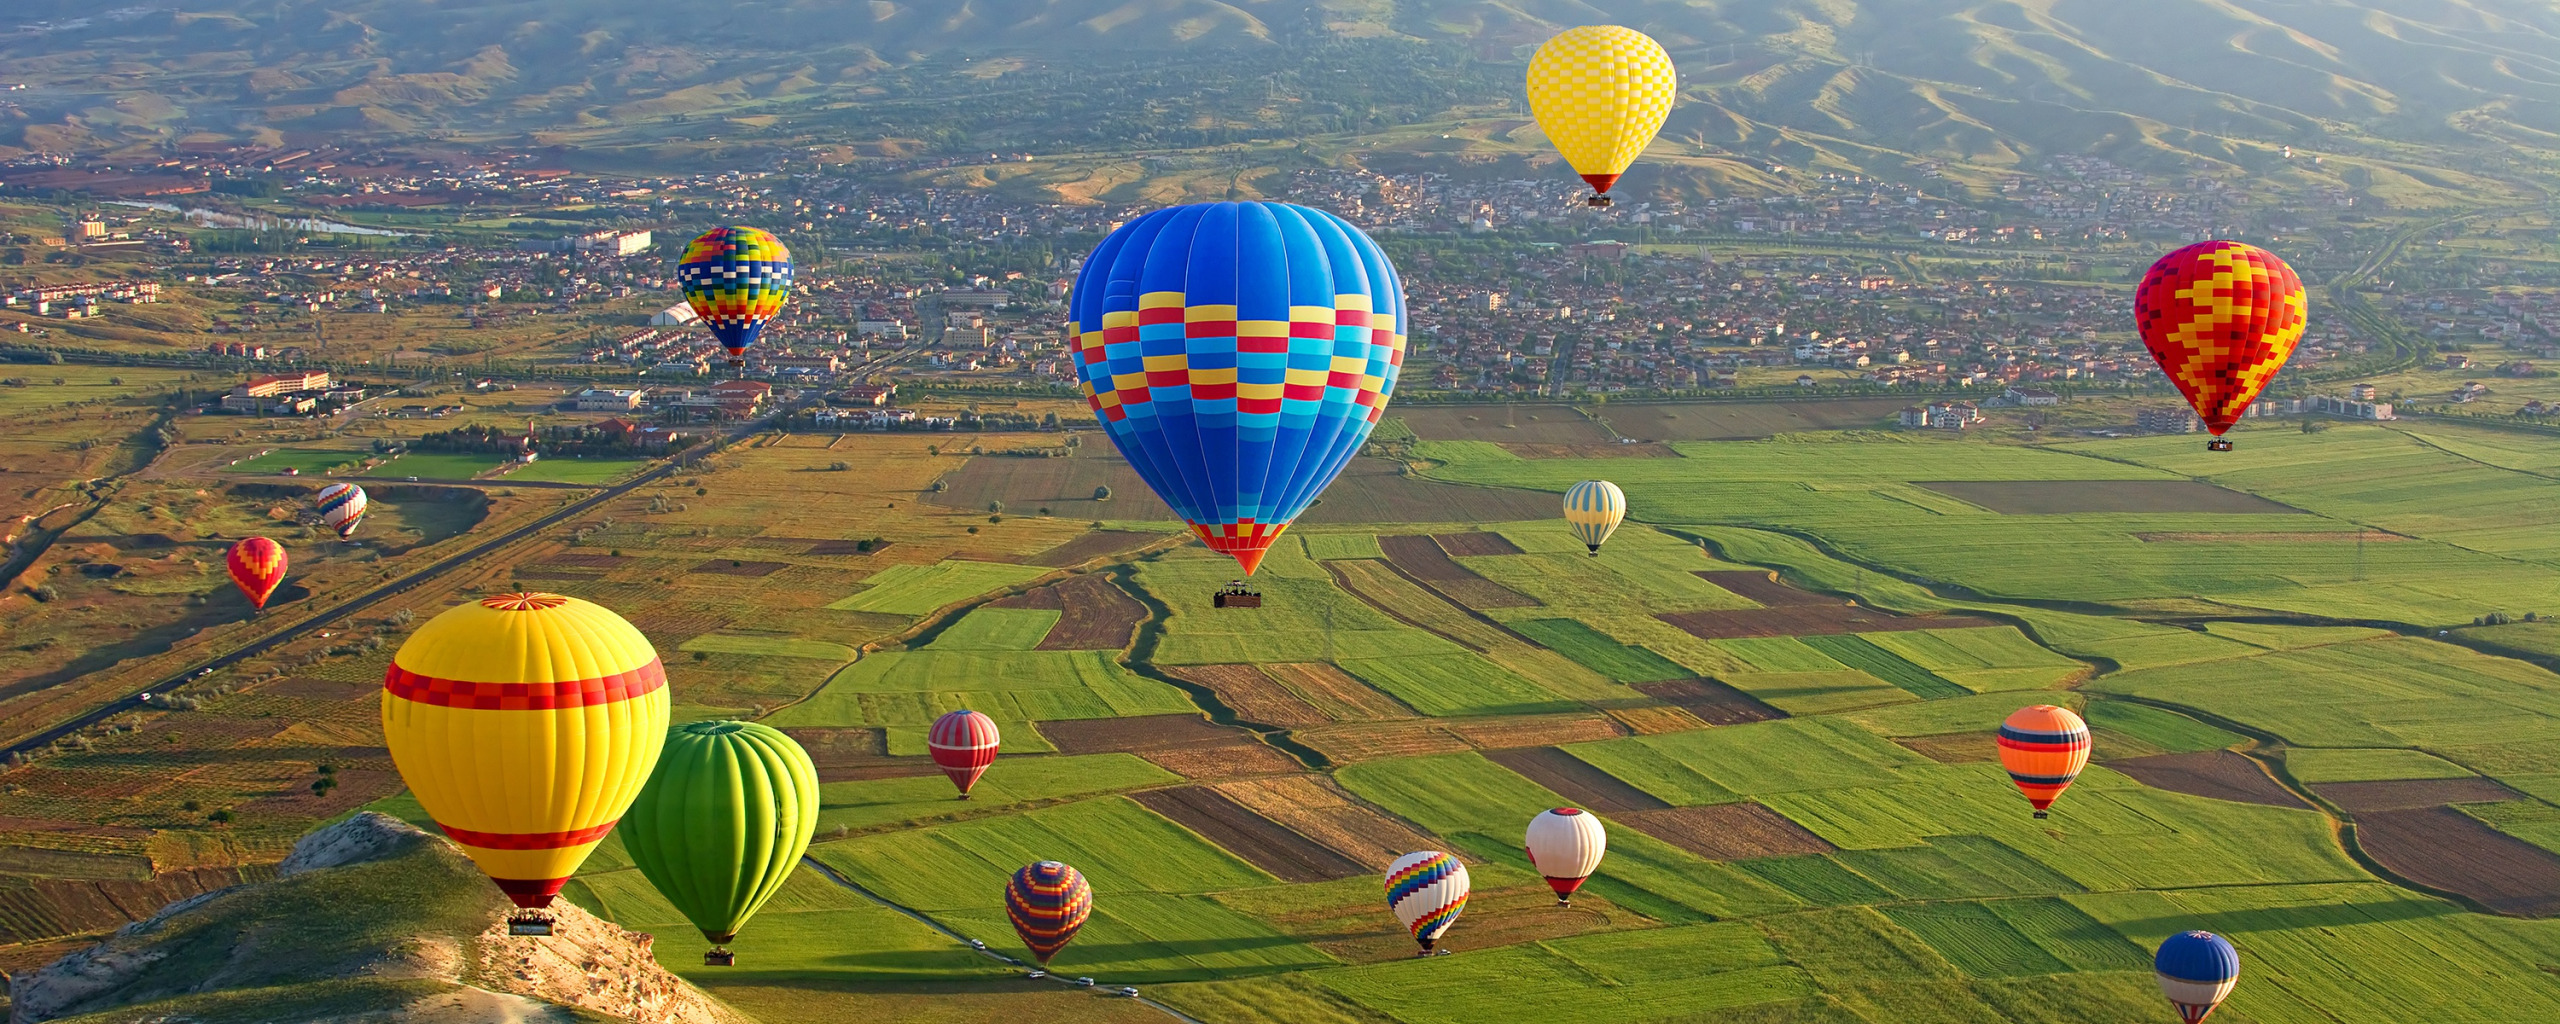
[552, 442]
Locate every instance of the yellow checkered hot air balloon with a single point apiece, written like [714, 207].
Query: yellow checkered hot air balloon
[1600, 92]
[525, 724]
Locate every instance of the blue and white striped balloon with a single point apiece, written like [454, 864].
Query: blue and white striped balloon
[1594, 508]
[2197, 972]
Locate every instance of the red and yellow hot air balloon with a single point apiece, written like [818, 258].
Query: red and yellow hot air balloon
[525, 724]
[2044, 747]
[2221, 318]
[257, 568]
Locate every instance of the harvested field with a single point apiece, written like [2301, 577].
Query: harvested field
[1421, 558]
[2410, 794]
[1098, 544]
[1577, 780]
[1654, 721]
[1475, 544]
[1336, 694]
[47, 908]
[588, 561]
[1037, 599]
[1256, 697]
[2063, 497]
[1738, 831]
[2219, 774]
[1240, 761]
[1259, 840]
[2447, 849]
[834, 747]
[1147, 732]
[1713, 702]
[1368, 741]
[2330, 537]
[1097, 616]
[1590, 451]
[1956, 747]
[848, 547]
[734, 567]
[1528, 424]
[1535, 730]
[1765, 587]
[1810, 620]
[1369, 491]
[1314, 807]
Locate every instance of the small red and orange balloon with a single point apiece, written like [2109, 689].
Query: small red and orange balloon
[2221, 318]
[2044, 747]
[257, 568]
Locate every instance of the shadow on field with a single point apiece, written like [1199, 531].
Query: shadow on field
[2281, 919]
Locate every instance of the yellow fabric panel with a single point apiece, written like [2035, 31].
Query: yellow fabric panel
[474, 642]
[1160, 300]
[526, 771]
[1601, 92]
[1200, 314]
[1262, 328]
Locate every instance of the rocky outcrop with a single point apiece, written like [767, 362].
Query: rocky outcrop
[396, 918]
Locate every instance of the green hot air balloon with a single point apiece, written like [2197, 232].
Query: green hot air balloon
[722, 822]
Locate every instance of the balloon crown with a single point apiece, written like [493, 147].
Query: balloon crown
[523, 602]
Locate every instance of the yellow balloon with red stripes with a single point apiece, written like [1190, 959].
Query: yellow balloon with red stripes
[525, 724]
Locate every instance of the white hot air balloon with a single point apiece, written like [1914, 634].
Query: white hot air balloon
[1427, 891]
[1565, 845]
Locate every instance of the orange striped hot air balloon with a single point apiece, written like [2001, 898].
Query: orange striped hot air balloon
[2044, 747]
[2221, 318]
[525, 724]
[257, 568]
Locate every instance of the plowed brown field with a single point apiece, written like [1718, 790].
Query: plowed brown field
[1314, 807]
[1095, 615]
[1576, 780]
[2411, 794]
[1713, 702]
[1211, 763]
[1765, 587]
[2447, 849]
[1421, 559]
[1475, 544]
[1336, 694]
[1259, 840]
[1256, 697]
[2219, 774]
[1728, 831]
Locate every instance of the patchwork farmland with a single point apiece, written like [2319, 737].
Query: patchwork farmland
[1774, 686]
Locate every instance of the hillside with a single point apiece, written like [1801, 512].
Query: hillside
[1875, 85]
[369, 919]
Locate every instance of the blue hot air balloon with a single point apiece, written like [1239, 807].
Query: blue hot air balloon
[1238, 354]
[2197, 972]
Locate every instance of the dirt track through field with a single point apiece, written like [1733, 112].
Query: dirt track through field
[1576, 780]
[1714, 703]
[2218, 774]
[1259, 840]
[2411, 794]
[1737, 831]
[2447, 849]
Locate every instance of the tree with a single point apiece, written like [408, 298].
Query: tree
[1102, 493]
[996, 507]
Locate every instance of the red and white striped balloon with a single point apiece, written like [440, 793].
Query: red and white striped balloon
[964, 743]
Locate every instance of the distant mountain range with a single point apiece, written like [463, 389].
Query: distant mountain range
[1865, 83]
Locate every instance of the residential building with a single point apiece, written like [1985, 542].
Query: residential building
[2164, 419]
[612, 399]
[676, 315]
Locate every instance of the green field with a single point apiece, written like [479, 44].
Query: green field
[578, 471]
[440, 465]
[306, 460]
[924, 589]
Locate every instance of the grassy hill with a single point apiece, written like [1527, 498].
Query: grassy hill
[1874, 86]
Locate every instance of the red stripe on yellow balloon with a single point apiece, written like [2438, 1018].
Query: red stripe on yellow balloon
[525, 724]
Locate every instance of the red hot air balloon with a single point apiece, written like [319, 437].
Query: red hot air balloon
[257, 567]
[964, 743]
[2043, 747]
[1047, 903]
[2221, 318]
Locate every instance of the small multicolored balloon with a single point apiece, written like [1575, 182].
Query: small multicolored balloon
[1427, 891]
[257, 568]
[1565, 844]
[2197, 972]
[1594, 508]
[1047, 902]
[2044, 747]
[342, 506]
[963, 744]
[736, 278]
[2221, 318]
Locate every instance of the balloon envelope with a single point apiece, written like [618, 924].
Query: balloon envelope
[2197, 971]
[1565, 845]
[525, 724]
[1600, 93]
[736, 279]
[1238, 354]
[257, 568]
[1047, 902]
[2043, 747]
[723, 821]
[342, 506]
[963, 743]
[1594, 508]
[2221, 318]
[1427, 891]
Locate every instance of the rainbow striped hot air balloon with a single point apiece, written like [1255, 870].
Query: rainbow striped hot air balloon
[736, 279]
[1047, 902]
[963, 744]
[2044, 747]
[2197, 971]
[257, 568]
[525, 724]
[1427, 891]
[1238, 354]
[342, 506]
[1594, 508]
[2221, 318]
